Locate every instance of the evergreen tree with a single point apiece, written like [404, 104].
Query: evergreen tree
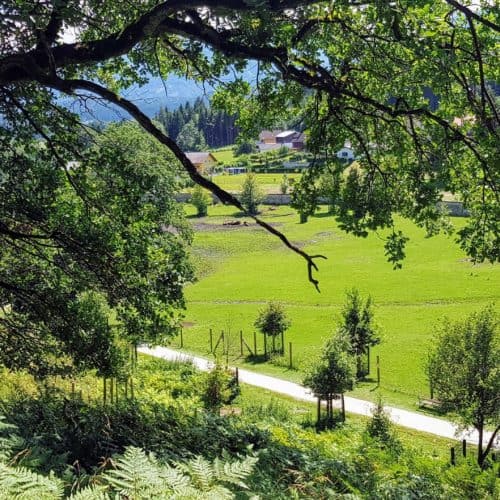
[358, 325]
[191, 138]
[251, 195]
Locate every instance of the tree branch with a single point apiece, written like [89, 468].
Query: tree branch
[469, 13]
[69, 86]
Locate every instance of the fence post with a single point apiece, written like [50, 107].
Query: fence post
[343, 407]
[378, 370]
[211, 342]
[182, 339]
[241, 342]
[237, 375]
[464, 447]
[291, 355]
[254, 344]
[431, 388]
[452, 456]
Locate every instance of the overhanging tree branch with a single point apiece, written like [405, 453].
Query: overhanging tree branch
[69, 86]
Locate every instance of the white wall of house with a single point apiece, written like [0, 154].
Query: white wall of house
[345, 153]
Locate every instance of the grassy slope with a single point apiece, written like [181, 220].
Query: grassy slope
[243, 268]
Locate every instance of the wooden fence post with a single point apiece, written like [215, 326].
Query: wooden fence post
[343, 406]
[182, 339]
[452, 456]
[318, 413]
[291, 354]
[237, 375]
[464, 447]
[211, 342]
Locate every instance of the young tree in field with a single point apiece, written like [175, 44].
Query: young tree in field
[333, 373]
[251, 194]
[201, 200]
[305, 196]
[284, 184]
[464, 370]
[357, 323]
[272, 321]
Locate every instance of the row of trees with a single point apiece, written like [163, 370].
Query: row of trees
[198, 125]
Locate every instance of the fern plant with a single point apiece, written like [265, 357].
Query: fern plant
[20, 483]
[138, 476]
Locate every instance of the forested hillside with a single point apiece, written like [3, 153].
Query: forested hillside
[198, 125]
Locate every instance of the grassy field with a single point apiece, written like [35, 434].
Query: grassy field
[269, 183]
[225, 155]
[242, 268]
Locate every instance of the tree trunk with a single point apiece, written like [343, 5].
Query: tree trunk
[480, 455]
[482, 458]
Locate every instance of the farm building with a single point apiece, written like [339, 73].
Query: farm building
[203, 161]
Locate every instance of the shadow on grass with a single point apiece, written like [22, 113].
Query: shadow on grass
[322, 215]
[256, 359]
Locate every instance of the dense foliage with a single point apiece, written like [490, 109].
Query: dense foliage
[83, 241]
[464, 369]
[197, 450]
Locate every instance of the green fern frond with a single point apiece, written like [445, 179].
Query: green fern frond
[234, 472]
[136, 474]
[5, 426]
[19, 483]
[175, 480]
[90, 493]
[201, 472]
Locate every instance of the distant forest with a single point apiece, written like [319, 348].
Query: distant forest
[196, 126]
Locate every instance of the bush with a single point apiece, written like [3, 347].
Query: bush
[201, 200]
[381, 429]
[220, 388]
[245, 148]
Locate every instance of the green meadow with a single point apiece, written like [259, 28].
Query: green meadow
[241, 268]
[268, 183]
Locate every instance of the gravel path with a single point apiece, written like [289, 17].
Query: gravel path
[404, 418]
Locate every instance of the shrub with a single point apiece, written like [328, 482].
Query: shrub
[201, 200]
[220, 388]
